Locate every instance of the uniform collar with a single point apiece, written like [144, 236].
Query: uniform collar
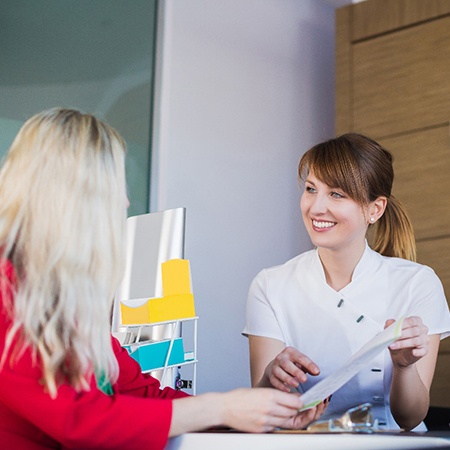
[367, 263]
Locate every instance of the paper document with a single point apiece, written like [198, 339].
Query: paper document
[359, 360]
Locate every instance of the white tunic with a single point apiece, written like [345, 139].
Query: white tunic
[294, 304]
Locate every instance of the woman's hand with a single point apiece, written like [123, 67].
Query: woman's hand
[304, 418]
[260, 409]
[289, 369]
[253, 410]
[414, 360]
[264, 409]
[412, 344]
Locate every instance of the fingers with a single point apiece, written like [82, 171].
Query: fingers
[412, 344]
[290, 368]
[260, 409]
[414, 335]
[305, 418]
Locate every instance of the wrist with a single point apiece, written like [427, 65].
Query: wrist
[402, 367]
[215, 406]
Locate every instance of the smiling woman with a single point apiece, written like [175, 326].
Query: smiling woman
[307, 316]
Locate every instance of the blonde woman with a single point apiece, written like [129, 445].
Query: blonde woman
[64, 382]
[305, 318]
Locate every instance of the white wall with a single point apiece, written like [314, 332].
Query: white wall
[244, 88]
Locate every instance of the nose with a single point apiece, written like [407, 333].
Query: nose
[318, 204]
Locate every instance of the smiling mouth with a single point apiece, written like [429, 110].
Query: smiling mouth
[323, 224]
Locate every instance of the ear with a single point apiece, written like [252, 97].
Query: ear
[376, 209]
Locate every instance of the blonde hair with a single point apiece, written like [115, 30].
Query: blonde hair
[62, 225]
[363, 169]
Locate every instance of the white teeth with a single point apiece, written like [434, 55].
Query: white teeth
[323, 224]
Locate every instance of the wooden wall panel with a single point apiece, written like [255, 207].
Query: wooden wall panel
[371, 18]
[400, 81]
[436, 254]
[393, 84]
[422, 179]
[440, 393]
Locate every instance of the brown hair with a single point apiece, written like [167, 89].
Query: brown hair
[363, 169]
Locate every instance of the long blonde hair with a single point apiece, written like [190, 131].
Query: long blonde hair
[62, 225]
[363, 169]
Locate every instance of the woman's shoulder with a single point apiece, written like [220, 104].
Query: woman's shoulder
[288, 267]
[400, 265]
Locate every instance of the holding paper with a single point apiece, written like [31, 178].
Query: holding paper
[360, 359]
[305, 318]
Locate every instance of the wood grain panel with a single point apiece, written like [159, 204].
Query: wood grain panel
[393, 69]
[401, 80]
[440, 392]
[422, 178]
[436, 254]
[374, 17]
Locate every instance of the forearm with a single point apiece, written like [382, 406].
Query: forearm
[250, 410]
[409, 397]
[264, 382]
[195, 413]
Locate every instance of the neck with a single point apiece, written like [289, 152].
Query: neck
[339, 265]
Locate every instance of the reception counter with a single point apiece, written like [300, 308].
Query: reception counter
[307, 441]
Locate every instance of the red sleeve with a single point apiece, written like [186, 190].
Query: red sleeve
[88, 420]
[133, 382]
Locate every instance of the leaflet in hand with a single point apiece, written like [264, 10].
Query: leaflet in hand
[358, 361]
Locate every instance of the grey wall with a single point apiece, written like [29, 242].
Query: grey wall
[244, 88]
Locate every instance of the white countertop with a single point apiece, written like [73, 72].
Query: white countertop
[303, 441]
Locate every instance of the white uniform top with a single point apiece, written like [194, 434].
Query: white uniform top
[294, 304]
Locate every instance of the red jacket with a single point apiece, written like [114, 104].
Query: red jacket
[136, 416]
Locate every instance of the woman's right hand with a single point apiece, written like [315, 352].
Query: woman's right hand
[261, 410]
[253, 410]
[289, 368]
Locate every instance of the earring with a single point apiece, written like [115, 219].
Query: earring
[372, 219]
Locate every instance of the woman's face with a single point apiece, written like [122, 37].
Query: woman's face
[333, 220]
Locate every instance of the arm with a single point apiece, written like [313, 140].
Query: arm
[250, 410]
[414, 359]
[87, 420]
[133, 382]
[274, 365]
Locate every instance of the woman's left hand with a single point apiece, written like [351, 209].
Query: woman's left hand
[305, 418]
[412, 344]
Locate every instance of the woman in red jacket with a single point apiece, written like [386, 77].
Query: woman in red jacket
[64, 382]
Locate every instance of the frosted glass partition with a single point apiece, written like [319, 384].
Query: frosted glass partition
[94, 55]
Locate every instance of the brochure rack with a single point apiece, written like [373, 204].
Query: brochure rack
[174, 313]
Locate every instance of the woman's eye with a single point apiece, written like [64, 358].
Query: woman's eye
[309, 189]
[336, 195]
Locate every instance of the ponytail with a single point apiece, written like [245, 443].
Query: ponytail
[394, 234]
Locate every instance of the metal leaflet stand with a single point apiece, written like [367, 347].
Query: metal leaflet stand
[151, 240]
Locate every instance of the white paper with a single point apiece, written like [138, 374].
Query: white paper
[359, 360]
